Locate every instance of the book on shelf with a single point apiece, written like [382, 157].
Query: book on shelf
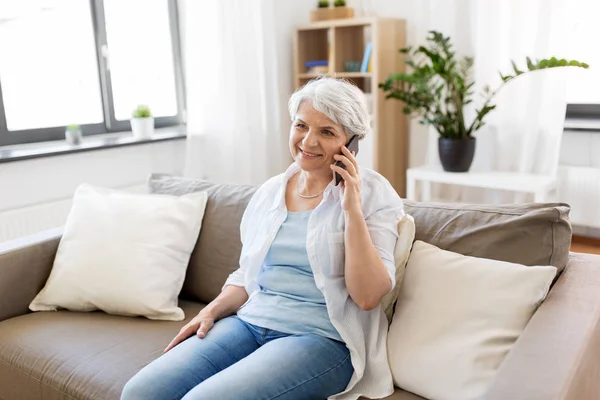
[317, 66]
[364, 67]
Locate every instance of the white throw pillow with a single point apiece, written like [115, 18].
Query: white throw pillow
[406, 236]
[123, 253]
[456, 319]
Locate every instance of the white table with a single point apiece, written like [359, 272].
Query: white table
[541, 186]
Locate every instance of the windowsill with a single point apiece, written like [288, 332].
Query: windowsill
[88, 143]
[582, 124]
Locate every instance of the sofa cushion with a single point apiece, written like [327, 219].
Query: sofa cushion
[456, 319]
[217, 251]
[122, 253]
[528, 234]
[72, 355]
[69, 355]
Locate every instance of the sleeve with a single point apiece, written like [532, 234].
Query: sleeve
[236, 278]
[383, 228]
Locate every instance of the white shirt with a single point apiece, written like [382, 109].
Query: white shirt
[364, 332]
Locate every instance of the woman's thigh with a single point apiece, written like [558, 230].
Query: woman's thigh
[293, 367]
[192, 361]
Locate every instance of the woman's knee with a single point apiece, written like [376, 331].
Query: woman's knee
[138, 389]
[146, 385]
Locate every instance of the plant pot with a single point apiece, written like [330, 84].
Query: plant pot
[323, 14]
[73, 136]
[456, 155]
[142, 128]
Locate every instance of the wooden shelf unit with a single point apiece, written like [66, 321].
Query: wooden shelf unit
[339, 41]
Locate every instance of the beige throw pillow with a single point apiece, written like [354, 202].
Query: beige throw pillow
[123, 253]
[456, 319]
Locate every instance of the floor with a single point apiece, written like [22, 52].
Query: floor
[582, 244]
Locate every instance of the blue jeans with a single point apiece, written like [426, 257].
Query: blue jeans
[239, 361]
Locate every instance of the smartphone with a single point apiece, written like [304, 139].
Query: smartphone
[353, 147]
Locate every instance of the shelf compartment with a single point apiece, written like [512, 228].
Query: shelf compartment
[312, 45]
[350, 43]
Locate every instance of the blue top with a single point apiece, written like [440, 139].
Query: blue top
[289, 300]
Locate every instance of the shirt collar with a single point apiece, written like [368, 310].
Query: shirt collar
[279, 198]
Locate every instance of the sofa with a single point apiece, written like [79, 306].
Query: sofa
[75, 355]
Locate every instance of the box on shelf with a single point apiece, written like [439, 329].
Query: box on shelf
[352, 66]
[323, 14]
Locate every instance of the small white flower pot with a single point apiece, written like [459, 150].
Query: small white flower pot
[142, 128]
[73, 136]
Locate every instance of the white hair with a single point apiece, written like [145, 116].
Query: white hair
[341, 101]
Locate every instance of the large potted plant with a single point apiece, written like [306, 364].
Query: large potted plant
[439, 86]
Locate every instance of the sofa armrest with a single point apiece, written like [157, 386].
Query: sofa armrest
[556, 356]
[25, 265]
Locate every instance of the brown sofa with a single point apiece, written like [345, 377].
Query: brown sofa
[72, 355]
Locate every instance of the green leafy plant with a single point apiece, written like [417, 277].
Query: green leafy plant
[439, 86]
[339, 3]
[323, 4]
[142, 111]
[73, 127]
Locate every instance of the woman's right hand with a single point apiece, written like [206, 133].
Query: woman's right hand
[200, 325]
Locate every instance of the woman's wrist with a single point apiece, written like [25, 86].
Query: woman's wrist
[353, 212]
[208, 312]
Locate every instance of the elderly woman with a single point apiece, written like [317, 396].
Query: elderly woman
[300, 318]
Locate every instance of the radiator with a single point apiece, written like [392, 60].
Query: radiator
[580, 188]
[33, 219]
[26, 221]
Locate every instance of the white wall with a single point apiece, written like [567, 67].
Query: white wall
[35, 194]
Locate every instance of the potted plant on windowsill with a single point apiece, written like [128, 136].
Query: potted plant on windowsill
[142, 122]
[439, 86]
[73, 134]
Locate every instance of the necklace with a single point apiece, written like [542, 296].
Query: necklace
[306, 196]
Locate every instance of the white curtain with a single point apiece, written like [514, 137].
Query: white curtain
[523, 134]
[236, 110]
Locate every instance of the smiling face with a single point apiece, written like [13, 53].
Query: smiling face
[315, 139]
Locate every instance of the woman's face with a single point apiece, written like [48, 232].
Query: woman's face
[315, 139]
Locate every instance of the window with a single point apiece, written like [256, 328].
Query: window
[139, 56]
[583, 90]
[86, 62]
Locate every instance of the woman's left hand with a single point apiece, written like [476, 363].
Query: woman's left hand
[350, 184]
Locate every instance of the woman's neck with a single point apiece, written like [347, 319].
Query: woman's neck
[309, 183]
